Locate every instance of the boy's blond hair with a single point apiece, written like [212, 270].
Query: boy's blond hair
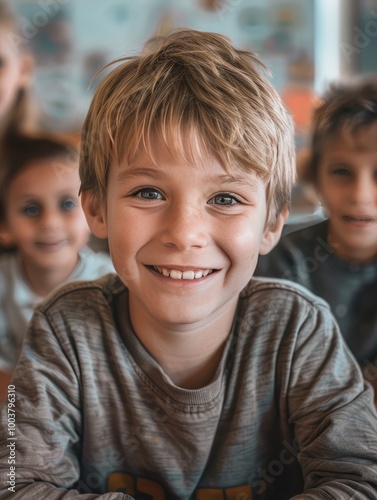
[194, 84]
[345, 108]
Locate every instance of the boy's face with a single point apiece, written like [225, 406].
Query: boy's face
[184, 238]
[347, 186]
[44, 218]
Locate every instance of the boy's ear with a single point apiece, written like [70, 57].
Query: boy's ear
[272, 232]
[6, 238]
[95, 213]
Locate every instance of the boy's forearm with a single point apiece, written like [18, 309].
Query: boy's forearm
[330, 492]
[36, 491]
[328, 417]
[26, 471]
[341, 490]
[334, 471]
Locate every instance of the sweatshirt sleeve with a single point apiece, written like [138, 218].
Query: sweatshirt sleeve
[40, 449]
[331, 410]
[8, 347]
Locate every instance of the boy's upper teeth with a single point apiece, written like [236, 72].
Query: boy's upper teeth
[185, 275]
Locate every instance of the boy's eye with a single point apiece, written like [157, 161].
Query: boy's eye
[31, 210]
[68, 205]
[341, 172]
[148, 194]
[224, 199]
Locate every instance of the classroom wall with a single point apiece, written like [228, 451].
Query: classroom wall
[72, 39]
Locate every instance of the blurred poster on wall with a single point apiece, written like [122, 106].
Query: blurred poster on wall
[72, 40]
[363, 38]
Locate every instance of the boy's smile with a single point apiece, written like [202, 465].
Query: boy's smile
[50, 246]
[184, 274]
[347, 184]
[184, 236]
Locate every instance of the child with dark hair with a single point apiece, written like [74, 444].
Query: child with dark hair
[41, 219]
[337, 258]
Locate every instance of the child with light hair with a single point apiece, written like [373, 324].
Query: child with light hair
[181, 376]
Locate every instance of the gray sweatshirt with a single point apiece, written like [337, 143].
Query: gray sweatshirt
[287, 414]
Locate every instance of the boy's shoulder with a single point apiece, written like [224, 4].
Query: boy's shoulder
[102, 289]
[274, 293]
[278, 312]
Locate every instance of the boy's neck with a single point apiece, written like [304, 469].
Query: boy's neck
[43, 281]
[193, 369]
[188, 354]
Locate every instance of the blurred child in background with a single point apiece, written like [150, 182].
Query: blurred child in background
[42, 219]
[337, 258]
[16, 66]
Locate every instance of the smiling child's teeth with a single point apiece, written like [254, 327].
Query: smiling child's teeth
[186, 275]
[176, 275]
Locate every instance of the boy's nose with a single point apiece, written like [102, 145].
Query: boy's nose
[184, 228]
[50, 219]
[364, 191]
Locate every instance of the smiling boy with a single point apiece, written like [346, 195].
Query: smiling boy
[44, 228]
[337, 258]
[188, 253]
[181, 377]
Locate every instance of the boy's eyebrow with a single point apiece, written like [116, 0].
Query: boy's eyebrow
[158, 175]
[141, 171]
[36, 198]
[234, 179]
